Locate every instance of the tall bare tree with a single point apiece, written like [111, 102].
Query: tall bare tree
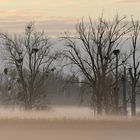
[134, 71]
[91, 51]
[32, 56]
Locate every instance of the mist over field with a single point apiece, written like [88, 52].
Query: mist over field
[53, 113]
[60, 112]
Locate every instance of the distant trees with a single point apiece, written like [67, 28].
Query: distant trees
[32, 57]
[66, 91]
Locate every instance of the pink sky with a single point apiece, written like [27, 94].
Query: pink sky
[60, 13]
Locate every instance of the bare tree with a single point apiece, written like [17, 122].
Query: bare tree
[31, 55]
[91, 51]
[134, 71]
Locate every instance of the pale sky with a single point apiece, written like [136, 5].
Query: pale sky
[60, 15]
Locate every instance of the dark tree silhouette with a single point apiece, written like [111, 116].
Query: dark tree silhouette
[134, 71]
[91, 51]
[33, 59]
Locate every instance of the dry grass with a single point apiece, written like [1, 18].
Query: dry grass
[13, 129]
[57, 125]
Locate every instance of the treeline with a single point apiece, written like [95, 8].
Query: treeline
[103, 57]
[57, 90]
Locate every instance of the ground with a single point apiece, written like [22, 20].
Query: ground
[69, 130]
[66, 124]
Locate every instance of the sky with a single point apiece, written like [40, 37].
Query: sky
[56, 16]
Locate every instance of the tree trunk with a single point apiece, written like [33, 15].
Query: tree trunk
[99, 105]
[28, 100]
[116, 101]
[28, 104]
[116, 96]
[124, 93]
[105, 94]
[133, 102]
[106, 103]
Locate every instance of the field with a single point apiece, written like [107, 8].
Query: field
[61, 125]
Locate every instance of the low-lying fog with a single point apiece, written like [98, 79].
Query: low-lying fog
[54, 112]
